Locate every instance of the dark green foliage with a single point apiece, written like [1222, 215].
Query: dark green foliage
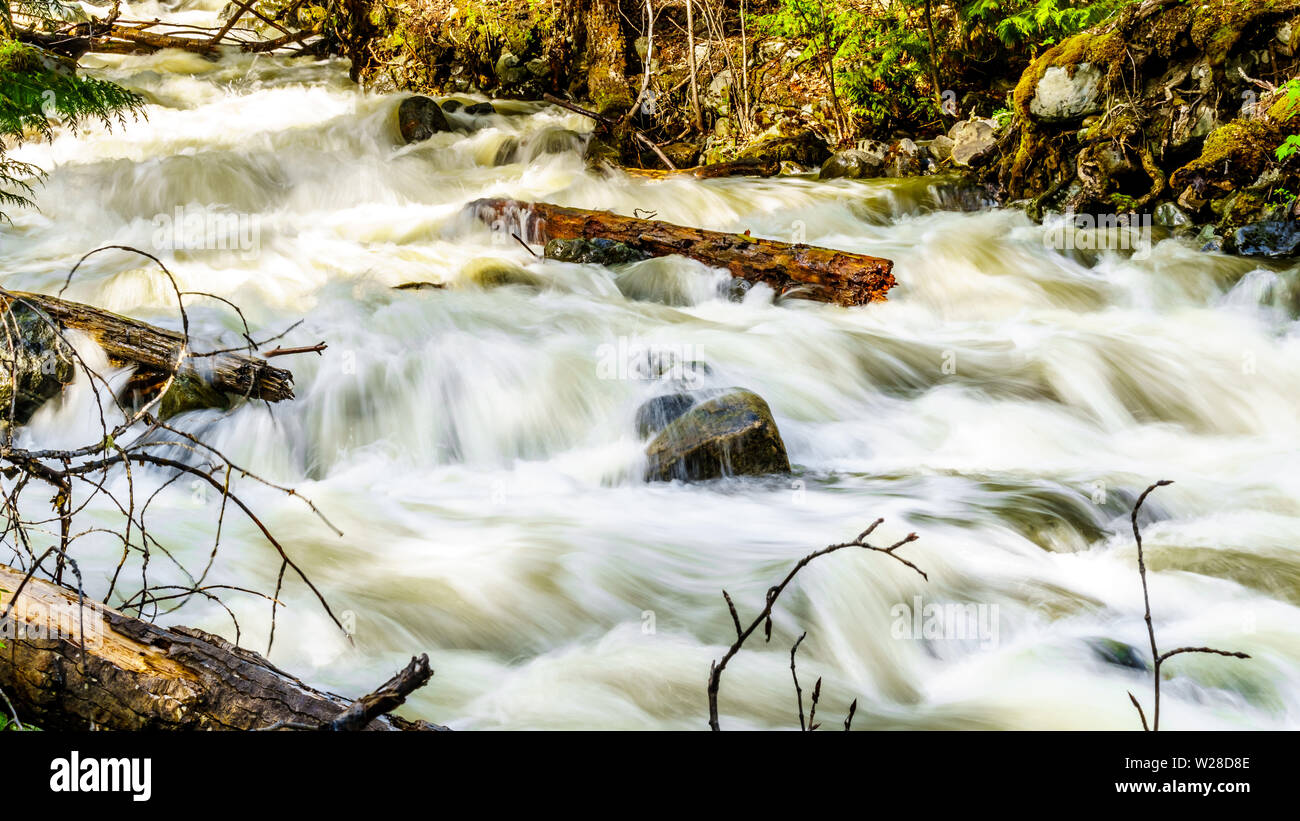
[37, 91]
[881, 60]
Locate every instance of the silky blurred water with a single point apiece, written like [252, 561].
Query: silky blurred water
[1007, 403]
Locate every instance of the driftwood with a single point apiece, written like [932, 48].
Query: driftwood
[129, 341]
[826, 274]
[74, 665]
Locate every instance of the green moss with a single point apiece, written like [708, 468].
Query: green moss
[1233, 154]
[187, 393]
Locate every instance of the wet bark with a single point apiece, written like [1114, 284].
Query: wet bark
[75, 666]
[129, 341]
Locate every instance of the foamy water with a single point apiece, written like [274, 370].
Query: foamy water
[1007, 403]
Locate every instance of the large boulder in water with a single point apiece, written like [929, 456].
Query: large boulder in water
[419, 118]
[35, 362]
[732, 434]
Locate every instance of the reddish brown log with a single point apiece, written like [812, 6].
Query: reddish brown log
[821, 273]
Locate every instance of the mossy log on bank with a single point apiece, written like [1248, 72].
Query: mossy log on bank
[822, 273]
[75, 665]
[130, 341]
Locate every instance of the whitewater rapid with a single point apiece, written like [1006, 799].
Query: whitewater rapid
[1007, 404]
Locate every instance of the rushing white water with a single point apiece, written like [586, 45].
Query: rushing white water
[1007, 403]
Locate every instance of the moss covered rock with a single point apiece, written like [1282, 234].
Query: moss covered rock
[35, 362]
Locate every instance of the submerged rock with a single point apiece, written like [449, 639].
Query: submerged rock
[419, 118]
[35, 362]
[599, 251]
[497, 273]
[480, 109]
[729, 435]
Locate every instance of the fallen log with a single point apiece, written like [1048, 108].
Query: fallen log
[829, 275]
[139, 36]
[129, 341]
[739, 168]
[74, 665]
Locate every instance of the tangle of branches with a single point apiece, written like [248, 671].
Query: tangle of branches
[1158, 657]
[764, 618]
[42, 534]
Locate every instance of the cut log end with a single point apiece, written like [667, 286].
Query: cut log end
[156, 350]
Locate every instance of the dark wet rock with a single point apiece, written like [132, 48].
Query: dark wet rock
[599, 251]
[854, 164]
[972, 141]
[419, 286]
[419, 118]
[480, 109]
[452, 106]
[1270, 238]
[507, 152]
[729, 435]
[35, 363]
[659, 412]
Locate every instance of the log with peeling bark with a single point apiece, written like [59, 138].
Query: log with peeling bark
[129, 341]
[821, 273]
[74, 665]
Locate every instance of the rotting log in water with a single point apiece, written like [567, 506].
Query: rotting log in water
[76, 665]
[823, 273]
[129, 341]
